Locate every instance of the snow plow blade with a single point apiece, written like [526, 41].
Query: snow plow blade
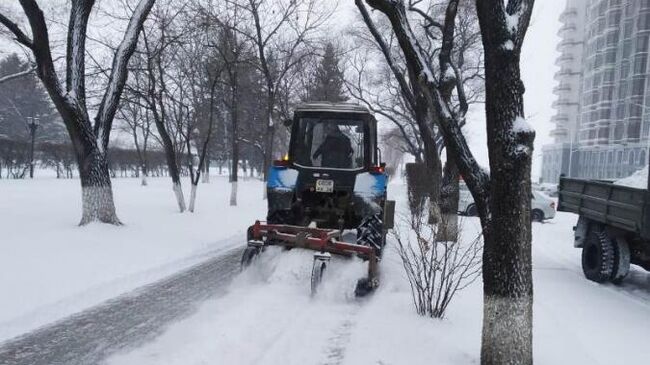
[316, 239]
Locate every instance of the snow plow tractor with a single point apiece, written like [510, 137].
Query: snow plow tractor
[331, 183]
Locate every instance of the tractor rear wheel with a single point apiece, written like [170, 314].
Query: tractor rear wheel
[371, 233]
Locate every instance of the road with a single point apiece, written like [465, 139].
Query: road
[125, 322]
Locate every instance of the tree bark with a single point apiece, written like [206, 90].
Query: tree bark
[96, 191]
[507, 267]
[234, 170]
[449, 195]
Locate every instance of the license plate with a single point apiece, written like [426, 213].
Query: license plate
[324, 186]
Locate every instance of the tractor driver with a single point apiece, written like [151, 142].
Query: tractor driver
[336, 149]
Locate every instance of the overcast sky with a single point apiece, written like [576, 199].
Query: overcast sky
[537, 65]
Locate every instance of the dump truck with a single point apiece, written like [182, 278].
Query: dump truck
[331, 181]
[613, 228]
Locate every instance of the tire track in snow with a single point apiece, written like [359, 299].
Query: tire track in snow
[125, 322]
[340, 338]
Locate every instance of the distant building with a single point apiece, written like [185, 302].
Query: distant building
[602, 108]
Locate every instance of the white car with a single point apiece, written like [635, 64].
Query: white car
[542, 206]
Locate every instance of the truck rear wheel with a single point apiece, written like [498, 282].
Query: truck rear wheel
[621, 261]
[471, 211]
[598, 255]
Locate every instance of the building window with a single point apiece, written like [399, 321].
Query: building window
[630, 163]
[640, 62]
[642, 43]
[642, 158]
[633, 129]
[638, 86]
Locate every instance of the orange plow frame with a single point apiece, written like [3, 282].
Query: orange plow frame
[316, 239]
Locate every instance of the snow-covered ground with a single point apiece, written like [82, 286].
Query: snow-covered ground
[49, 267]
[269, 318]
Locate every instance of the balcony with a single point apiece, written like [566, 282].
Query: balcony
[564, 73]
[567, 28]
[559, 132]
[560, 118]
[561, 88]
[568, 14]
[567, 43]
[564, 59]
[563, 102]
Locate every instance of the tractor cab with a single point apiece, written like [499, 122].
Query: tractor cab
[332, 175]
[333, 142]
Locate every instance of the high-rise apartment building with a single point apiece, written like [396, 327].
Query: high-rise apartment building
[603, 97]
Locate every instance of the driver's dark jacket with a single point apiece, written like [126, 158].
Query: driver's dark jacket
[336, 151]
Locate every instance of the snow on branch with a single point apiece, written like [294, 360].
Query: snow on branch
[516, 16]
[76, 51]
[16, 75]
[119, 72]
[21, 37]
[522, 135]
[447, 74]
[476, 178]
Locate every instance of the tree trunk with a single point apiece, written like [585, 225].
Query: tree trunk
[206, 172]
[144, 175]
[418, 181]
[507, 267]
[233, 193]
[178, 192]
[172, 163]
[431, 156]
[233, 173]
[96, 190]
[449, 195]
[192, 197]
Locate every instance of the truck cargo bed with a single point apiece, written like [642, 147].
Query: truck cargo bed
[618, 206]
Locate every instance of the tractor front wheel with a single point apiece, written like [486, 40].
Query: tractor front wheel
[317, 271]
[250, 253]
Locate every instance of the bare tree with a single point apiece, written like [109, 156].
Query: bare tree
[89, 138]
[502, 196]
[437, 269]
[201, 73]
[137, 122]
[399, 98]
[282, 32]
[150, 87]
[233, 53]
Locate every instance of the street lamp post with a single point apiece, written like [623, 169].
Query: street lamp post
[32, 124]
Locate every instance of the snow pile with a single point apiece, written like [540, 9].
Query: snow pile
[268, 317]
[51, 268]
[637, 180]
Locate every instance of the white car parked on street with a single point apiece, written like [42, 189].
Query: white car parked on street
[542, 206]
